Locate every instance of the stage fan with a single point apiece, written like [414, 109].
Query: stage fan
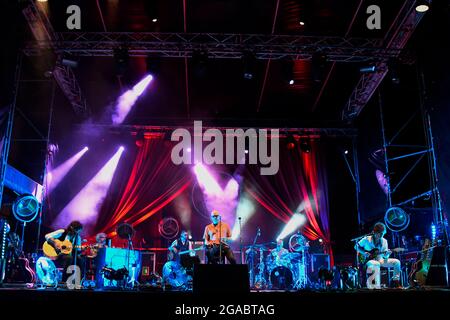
[26, 208]
[396, 219]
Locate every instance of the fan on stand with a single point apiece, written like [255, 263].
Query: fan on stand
[396, 219]
[126, 231]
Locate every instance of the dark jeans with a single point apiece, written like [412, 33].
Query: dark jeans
[213, 254]
[66, 260]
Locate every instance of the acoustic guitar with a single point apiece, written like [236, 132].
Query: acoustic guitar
[419, 270]
[52, 252]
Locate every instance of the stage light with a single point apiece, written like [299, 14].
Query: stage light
[249, 61]
[154, 20]
[54, 176]
[302, 23]
[86, 204]
[188, 149]
[290, 142]
[305, 146]
[128, 99]
[287, 70]
[42, 0]
[422, 6]
[318, 66]
[433, 232]
[297, 221]
[200, 63]
[368, 69]
[345, 151]
[121, 58]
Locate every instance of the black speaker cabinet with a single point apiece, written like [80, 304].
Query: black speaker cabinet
[438, 272]
[219, 278]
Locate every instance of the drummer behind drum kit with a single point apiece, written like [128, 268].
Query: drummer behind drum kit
[281, 272]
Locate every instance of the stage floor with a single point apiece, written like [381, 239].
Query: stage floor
[260, 305]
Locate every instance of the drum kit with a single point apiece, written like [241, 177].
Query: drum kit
[272, 268]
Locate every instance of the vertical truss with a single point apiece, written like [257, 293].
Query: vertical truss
[43, 31]
[403, 27]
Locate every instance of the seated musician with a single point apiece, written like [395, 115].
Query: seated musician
[368, 248]
[214, 233]
[182, 245]
[71, 233]
[279, 254]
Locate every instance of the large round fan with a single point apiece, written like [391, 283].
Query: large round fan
[26, 208]
[396, 219]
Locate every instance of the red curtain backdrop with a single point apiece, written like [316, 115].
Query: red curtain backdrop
[299, 184]
[153, 183]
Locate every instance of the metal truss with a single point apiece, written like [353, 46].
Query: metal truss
[368, 83]
[225, 46]
[64, 76]
[284, 132]
[68, 83]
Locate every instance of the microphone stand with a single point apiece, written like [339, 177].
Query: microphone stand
[252, 255]
[356, 257]
[240, 240]
[220, 239]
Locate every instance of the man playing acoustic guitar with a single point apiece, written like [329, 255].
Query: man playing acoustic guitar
[374, 252]
[55, 239]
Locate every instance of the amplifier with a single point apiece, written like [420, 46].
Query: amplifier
[148, 265]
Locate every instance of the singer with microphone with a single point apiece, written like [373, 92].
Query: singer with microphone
[217, 237]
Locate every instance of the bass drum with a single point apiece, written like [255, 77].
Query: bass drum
[281, 278]
[174, 274]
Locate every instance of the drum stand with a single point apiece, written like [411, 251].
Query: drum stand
[302, 277]
[134, 283]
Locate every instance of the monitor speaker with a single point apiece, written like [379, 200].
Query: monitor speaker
[231, 278]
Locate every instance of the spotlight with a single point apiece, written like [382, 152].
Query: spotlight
[86, 148]
[287, 70]
[368, 69]
[248, 60]
[200, 62]
[121, 148]
[302, 23]
[154, 20]
[318, 64]
[139, 139]
[189, 149]
[346, 152]
[305, 146]
[290, 142]
[121, 58]
[153, 63]
[246, 151]
[69, 63]
[422, 6]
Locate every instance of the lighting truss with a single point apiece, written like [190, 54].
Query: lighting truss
[221, 46]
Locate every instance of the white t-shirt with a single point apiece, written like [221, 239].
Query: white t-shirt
[367, 243]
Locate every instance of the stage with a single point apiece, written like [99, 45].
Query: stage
[261, 305]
